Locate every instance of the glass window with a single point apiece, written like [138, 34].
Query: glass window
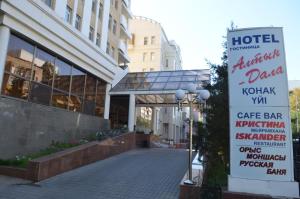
[100, 98]
[98, 39]
[107, 48]
[94, 6]
[60, 99]
[19, 57]
[78, 82]
[48, 3]
[62, 76]
[40, 93]
[144, 57]
[158, 86]
[152, 40]
[116, 5]
[109, 22]
[167, 63]
[68, 15]
[77, 89]
[145, 40]
[91, 33]
[15, 87]
[115, 27]
[151, 69]
[152, 56]
[43, 67]
[90, 95]
[78, 22]
[100, 11]
[162, 79]
[112, 52]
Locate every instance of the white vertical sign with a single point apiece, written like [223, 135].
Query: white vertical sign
[260, 133]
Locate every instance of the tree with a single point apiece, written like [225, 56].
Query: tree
[294, 99]
[218, 125]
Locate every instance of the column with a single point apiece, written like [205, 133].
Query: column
[60, 8]
[104, 34]
[86, 18]
[131, 112]
[96, 20]
[154, 120]
[74, 12]
[107, 101]
[4, 39]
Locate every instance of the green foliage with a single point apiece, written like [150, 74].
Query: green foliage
[142, 122]
[218, 125]
[23, 160]
[294, 94]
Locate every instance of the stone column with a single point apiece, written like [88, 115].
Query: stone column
[4, 39]
[154, 120]
[107, 102]
[86, 18]
[60, 8]
[74, 12]
[131, 112]
[104, 34]
[96, 20]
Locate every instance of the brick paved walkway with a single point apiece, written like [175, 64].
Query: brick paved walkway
[137, 174]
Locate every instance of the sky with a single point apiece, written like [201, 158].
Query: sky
[199, 26]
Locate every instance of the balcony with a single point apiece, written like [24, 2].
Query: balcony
[126, 8]
[125, 33]
[123, 56]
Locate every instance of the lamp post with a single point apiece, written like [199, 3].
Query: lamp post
[192, 96]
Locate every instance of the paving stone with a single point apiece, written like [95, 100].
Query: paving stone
[137, 174]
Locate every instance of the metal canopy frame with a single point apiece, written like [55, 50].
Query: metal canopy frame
[157, 89]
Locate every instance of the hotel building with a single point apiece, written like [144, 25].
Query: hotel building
[58, 61]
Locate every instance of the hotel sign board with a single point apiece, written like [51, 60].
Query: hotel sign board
[260, 132]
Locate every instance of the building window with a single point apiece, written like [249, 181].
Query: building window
[131, 41]
[109, 22]
[98, 39]
[116, 5]
[115, 27]
[61, 86]
[48, 3]
[78, 22]
[145, 40]
[94, 6]
[90, 95]
[91, 33]
[112, 52]
[167, 63]
[68, 15]
[100, 13]
[152, 57]
[152, 40]
[144, 57]
[35, 75]
[107, 48]
[77, 89]
[144, 69]
[151, 69]
[44, 70]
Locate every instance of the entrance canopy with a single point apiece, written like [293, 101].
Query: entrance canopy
[159, 88]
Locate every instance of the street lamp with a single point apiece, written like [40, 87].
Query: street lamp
[192, 96]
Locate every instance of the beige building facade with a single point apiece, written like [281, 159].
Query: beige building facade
[150, 50]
